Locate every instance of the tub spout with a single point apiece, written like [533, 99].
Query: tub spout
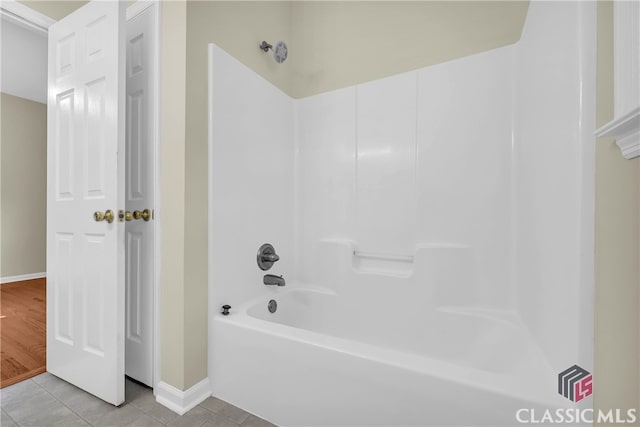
[272, 279]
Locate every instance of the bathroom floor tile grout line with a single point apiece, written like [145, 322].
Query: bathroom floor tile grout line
[6, 414]
[87, 420]
[59, 400]
[212, 415]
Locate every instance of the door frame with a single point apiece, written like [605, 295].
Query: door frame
[39, 23]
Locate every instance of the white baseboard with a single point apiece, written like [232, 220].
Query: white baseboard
[182, 401]
[11, 279]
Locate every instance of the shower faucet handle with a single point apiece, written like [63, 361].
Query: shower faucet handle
[270, 257]
[266, 256]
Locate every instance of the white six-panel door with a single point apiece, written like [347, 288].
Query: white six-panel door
[140, 196]
[85, 174]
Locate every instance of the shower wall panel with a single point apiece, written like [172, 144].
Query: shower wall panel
[465, 167]
[252, 179]
[554, 161]
[326, 176]
[418, 159]
[386, 165]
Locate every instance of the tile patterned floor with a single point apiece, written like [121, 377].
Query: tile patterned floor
[46, 400]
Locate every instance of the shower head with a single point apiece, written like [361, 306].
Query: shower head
[265, 46]
[280, 52]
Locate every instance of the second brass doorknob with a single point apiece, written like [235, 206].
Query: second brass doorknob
[145, 214]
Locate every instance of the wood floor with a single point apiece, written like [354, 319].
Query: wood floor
[23, 330]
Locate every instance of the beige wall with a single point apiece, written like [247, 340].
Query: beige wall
[342, 43]
[237, 27]
[173, 308]
[617, 258]
[53, 8]
[23, 185]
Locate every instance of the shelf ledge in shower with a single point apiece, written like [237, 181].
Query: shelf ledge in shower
[626, 131]
[395, 265]
[387, 257]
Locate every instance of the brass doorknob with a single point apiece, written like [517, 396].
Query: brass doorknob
[103, 216]
[145, 214]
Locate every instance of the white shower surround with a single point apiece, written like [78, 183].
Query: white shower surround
[458, 195]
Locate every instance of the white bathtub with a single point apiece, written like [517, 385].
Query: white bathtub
[462, 337]
[306, 367]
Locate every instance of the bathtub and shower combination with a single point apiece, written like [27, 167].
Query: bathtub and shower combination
[323, 360]
[432, 228]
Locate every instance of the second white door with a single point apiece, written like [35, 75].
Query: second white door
[139, 195]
